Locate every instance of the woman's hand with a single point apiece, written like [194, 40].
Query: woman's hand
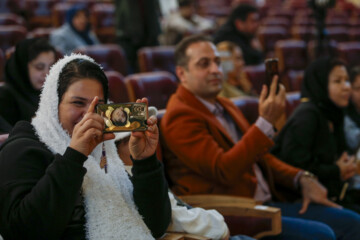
[143, 144]
[347, 166]
[88, 133]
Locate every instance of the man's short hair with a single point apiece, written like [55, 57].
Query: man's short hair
[242, 11]
[181, 59]
[185, 3]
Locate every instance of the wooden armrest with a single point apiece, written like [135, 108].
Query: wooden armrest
[208, 199]
[182, 236]
[241, 211]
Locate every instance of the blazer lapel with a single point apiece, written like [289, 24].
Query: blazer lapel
[189, 98]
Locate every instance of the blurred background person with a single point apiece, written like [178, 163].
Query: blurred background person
[241, 28]
[75, 32]
[236, 82]
[352, 117]
[313, 138]
[137, 25]
[25, 73]
[184, 22]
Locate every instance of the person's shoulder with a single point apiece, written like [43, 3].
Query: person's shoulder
[21, 137]
[65, 28]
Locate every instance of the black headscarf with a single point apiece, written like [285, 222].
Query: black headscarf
[17, 78]
[70, 14]
[315, 88]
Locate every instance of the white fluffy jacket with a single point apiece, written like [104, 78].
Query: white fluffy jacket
[110, 209]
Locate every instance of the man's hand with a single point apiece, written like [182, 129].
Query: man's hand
[273, 106]
[313, 191]
[347, 166]
[143, 144]
[3, 137]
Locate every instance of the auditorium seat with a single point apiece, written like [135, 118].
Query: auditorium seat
[256, 75]
[276, 22]
[282, 13]
[249, 106]
[110, 56]
[11, 19]
[39, 13]
[118, 92]
[354, 34]
[349, 52]
[10, 35]
[329, 47]
[58, 13]
[159, 58]
[292, 57]
[339, 34]
[40, 32]
[156, 86]
[102, 18]
[305, 33]
[11, 6]
[269, 35]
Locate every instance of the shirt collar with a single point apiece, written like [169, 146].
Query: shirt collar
[215, 109]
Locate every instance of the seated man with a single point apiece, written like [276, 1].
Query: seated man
[241, 28]
[184, 22]
[213, 150]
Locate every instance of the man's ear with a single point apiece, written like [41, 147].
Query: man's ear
[180, 73]
[239, 24]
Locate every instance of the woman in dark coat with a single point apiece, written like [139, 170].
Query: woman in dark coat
[313, 138]
[25, 73]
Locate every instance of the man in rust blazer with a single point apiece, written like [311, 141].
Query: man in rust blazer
[210, 148]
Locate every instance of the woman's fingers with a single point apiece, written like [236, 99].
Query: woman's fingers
[92, 106]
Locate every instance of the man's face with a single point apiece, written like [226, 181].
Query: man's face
[250, 25]
[203, 75]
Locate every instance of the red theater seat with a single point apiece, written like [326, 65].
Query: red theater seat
[276, 22]
[58, 13]
[39, 12]
[156, 86]
[117, 88]
[103, 21]
[110, 56]
[256, 75]
[249, 106]
[305, 33]
[339, 34]
[292, 57]
[349, 52]
[157, 59]
[269, 35]
[11, 6]
[10, 35]
[11, 19]
[40, 32]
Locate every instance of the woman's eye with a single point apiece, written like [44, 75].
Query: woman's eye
[78, 103]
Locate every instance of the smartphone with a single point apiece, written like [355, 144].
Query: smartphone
[272, 69]
[123, 117]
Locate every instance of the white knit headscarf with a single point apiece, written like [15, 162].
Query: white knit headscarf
[109, 206]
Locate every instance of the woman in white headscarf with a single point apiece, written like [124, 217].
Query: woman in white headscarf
[51, 183]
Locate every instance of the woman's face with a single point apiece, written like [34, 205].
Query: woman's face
[39, 67]
[355, 93]
[80, 21]
[76, 101]
[238, 60]
[339, 86]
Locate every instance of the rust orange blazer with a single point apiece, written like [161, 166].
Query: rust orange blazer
[201, 158]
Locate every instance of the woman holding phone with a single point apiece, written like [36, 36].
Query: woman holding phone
[313, 137]
[51, 174]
